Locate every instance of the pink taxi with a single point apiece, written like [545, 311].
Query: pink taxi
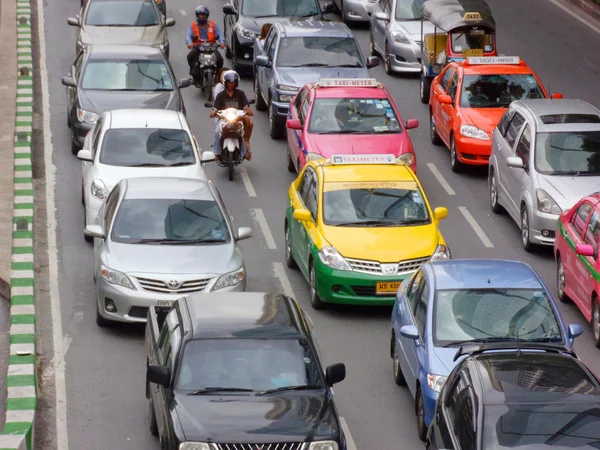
[576, 253]
[346, 116]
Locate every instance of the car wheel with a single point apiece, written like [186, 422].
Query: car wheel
[398, 375]
[424, 88]
[420, 410]
[372, 43]
[561, 281]
[315, 300]
[228, 53]
[596, 321]
[291, 167]
[433, 134]
[455, 164]
[386, 60]
[493, 185]
[289, 258]
[101, 321]
[153, 423]
[260, 101]
[528, 246]
[274, 129]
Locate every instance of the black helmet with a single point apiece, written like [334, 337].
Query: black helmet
[231, 76]
[202, 10]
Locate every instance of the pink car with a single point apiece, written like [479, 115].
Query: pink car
[346, 116]
[576, 253]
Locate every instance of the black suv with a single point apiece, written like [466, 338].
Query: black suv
[244, 20]
[231, 371]
[530, 396]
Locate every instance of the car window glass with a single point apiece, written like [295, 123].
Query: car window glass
[581, 217]
[269, 40]
[127, 74]
[106, 13]
[464, 421]
[299, 99]
[271, 51]
[279, 8]
[304, 111]
[312, 203]
[77, 65]
[593, 231]
[447, 76]
[498, 91]
[111, 205]
[164, 342]
[421, 311]
[96, 135]
[513, 129]
[413, 289]
[506, 118]
[409, 9]
[452, 87]
[388, 7]
[568, 152]
[318, 51]
[305, 185]
[524, 145]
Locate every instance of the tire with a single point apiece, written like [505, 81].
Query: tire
[372, 43]
[433, 134]
[387, 65]
[315, 300]
[425, 88]
[561, 281]
[230, 165]
[397, 370]
[290, 166]
[455, 164]
[153, 422]
[101, 321]
[260, 101]
[528, 246]
[209, 81]
[596, 321]
[274, 130]
[289, 258]
[68, 119]
[493, 191]
[420, 411]
[74, 145]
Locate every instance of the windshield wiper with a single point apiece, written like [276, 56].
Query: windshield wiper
[197, 241]
[370, 223]
[344, 132]
[546, 339]
[413, 221]
[148, 165]
[575, 173]
[290, 388]
[220, 389]
[156, 241]
[348, 65]
[264, 17]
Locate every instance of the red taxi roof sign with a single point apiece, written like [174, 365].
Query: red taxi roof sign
[483, 60]
[362, 159]
[348, 82]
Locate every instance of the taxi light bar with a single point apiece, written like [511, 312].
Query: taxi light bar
[362, 159]
[472, 16]
[348, 82]
[483, 60]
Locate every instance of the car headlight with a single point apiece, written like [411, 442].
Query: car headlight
[436, 382]
[285, 97]
[87, 116]
[323, 445]
[99, 189]
[546, 204]
[473, 132]
[116, 277]
[244, 32]
[331, 258]
[441, 253]
[406, 158]
[314, 156]
[195, 446]
[230, 279]
[287, 87]
[400, 37]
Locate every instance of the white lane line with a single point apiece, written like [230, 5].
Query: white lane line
[437, 174]
[247, 182]
[478, 230]
[576, 16]
[349, 440]
[183, 13]
[58, 362]
[259, 217]
[283, 279]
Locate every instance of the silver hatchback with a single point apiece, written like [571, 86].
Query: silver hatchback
[545, 157]
[160, 239]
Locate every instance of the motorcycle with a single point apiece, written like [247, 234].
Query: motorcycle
[231, 135]
[205, 70]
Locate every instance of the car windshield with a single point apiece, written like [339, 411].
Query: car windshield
[253, 364]
[138, 147]
[279, 8]
[498, 91]
[381, 203]
[474, 42]
[358, 116]
[409, 9]
[467, 314]
[568, 153]
[127, 75]
[318, 51]
[560, 426]
[151, 220]
[121, 14]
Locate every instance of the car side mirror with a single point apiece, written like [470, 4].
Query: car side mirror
[303, 215]
[445, 99]
[585, 250]
[440, 213]
[73, 21]
[262, 61]
[183, 83]
[294, 124]
[381, 16]
[409, 332]
[327, 8]
[68, 81]
[515, 162]
[94, 231]
[169, 22]
[85, 155]
[575, 330]
[206, 157]
[372, 61]
[556, 95]
[335, 373]
[243, 233]
[158, 374]
[411, 124]
[229, 10]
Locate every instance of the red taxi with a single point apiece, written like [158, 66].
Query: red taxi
[346, 116]
[576, 253]
[468, 99]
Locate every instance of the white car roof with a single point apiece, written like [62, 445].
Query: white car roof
[150, 118]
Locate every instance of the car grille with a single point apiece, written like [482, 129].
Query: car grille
[141, 312]
[374, 267]
[364, 291]
[281, 446]
[186, 287]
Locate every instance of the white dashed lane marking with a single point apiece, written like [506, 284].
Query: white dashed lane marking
[247, 182]
[438, 175]
[259, 217]
[478, 230]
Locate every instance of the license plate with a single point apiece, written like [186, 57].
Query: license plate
[473, 52]
[387, 287]
[165, 303]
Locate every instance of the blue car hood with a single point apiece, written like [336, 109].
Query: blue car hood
[442, 363]
[299, 76]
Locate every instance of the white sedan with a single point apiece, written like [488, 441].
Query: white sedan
[134, 143]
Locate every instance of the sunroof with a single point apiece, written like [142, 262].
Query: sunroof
[570, 118]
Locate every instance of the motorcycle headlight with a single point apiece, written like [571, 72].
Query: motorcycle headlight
[436, 382]
[407, 159]
[331, 258]
[87, 116]
[195, 446]
[99, 189]
[208, 58]
[323, 445]
[230, 116]
[441, 253]
[117, 278]
[230, 279]
[285, 98]
[474, 132]
[287, 87]
[400, 37]
[244, 32]
[314, 156]
[546, 204]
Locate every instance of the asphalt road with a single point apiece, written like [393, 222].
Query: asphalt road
[105, 367]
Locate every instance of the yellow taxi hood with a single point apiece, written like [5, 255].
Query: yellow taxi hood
[384, 244]
[485, 119]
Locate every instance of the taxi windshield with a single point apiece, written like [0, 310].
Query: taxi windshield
[498, 91]
[353, 116]
[381, 203]
[473, 42]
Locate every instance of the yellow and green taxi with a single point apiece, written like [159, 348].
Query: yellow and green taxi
[357, 225]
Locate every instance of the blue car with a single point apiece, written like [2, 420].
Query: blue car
[447, 304]
[293, 54]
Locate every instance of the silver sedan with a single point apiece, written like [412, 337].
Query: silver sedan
[160, 239]
[545, 157]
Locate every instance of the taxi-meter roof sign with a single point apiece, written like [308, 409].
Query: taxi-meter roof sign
[483, 60]
[363, 159]
[472, 16]
[348, 82]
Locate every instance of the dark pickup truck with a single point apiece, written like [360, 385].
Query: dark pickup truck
[239, 371]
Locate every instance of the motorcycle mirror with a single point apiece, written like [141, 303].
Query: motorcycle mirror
[208, 104]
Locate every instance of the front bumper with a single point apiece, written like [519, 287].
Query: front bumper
[471, 151]
[429, 399]
[281, 109]
[404, 57]
[243, 53]
[545, 223]
[358, 10]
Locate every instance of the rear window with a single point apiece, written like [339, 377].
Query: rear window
[550, 119]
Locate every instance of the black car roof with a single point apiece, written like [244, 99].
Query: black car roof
[251, 315]
[450, 14]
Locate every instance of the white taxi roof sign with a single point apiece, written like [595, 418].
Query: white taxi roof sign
[362, 159]
[472, 16]
[483, 60]
[348, 82]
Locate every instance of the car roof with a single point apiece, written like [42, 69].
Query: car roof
[563, 106]
[494, 69]
[364, 172]
[302, 28]
[145, 118]
[99, 51]
[483, 274]
[243, 315]
[167, 188]
[350, 92]
[529, 376]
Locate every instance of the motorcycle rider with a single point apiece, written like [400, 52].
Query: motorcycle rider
[206, 31]
[219, 85]
[232, 97]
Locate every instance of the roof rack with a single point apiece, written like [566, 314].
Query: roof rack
[471, 350]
